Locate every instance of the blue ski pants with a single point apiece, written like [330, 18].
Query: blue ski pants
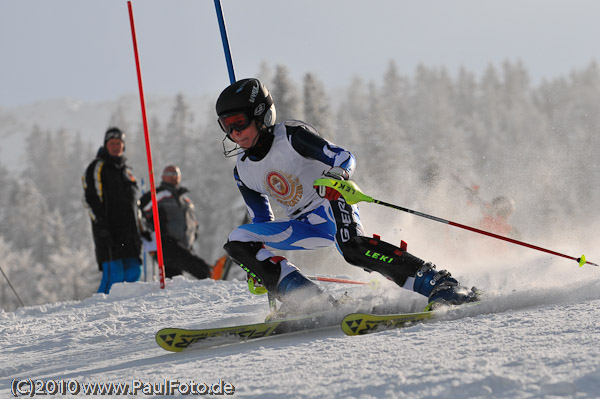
[118, 271]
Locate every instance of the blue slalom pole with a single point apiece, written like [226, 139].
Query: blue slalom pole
[144, 252]
[225, 41]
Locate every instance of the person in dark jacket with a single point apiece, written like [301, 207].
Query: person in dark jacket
[111, 195]
[178, 226]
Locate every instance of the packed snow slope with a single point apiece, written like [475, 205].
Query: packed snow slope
[535, 335]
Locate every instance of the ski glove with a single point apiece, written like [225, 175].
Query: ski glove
[329, 193]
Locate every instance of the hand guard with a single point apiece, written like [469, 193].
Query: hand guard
[329, 193]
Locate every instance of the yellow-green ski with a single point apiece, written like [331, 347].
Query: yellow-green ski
[178, 339]
[364, 323]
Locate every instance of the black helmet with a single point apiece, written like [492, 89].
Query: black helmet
[248, 96]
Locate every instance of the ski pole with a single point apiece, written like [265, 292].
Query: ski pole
[353, 195]
[335, 280]
[473, 193]
[11, 287]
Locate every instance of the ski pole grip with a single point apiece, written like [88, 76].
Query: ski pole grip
[347, 188]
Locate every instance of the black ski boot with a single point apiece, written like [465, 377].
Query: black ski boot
[441, 288]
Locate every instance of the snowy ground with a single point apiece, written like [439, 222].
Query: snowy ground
[535, 336]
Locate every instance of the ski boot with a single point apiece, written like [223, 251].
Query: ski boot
[299, 295]
[441, 288]
[280, 278]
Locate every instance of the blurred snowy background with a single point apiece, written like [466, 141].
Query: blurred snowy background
[444, 111]
[428, 141]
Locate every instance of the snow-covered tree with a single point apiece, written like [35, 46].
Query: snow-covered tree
[19, 269]
[285, 94]
[175, 144]
[317, 105]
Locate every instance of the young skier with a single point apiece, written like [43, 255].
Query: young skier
[281, 162]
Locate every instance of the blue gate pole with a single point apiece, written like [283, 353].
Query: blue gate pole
[225, 41]
[144, 251]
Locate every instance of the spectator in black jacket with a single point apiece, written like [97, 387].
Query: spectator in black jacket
[111, 194]
[178, 226]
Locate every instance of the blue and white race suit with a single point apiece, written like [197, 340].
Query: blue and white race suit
[286, 174]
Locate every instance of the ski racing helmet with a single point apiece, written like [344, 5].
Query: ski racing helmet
[244, 101]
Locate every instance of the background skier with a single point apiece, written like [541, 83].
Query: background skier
[178, 225]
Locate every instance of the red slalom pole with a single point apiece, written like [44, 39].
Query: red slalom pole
[159, 253]
[336, 280]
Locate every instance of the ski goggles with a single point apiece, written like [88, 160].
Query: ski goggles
[237, 121]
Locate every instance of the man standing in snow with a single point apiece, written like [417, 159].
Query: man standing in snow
[111, 193]
[281, 162]
[178, 225]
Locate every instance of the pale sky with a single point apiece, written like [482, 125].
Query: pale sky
[82, 49]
